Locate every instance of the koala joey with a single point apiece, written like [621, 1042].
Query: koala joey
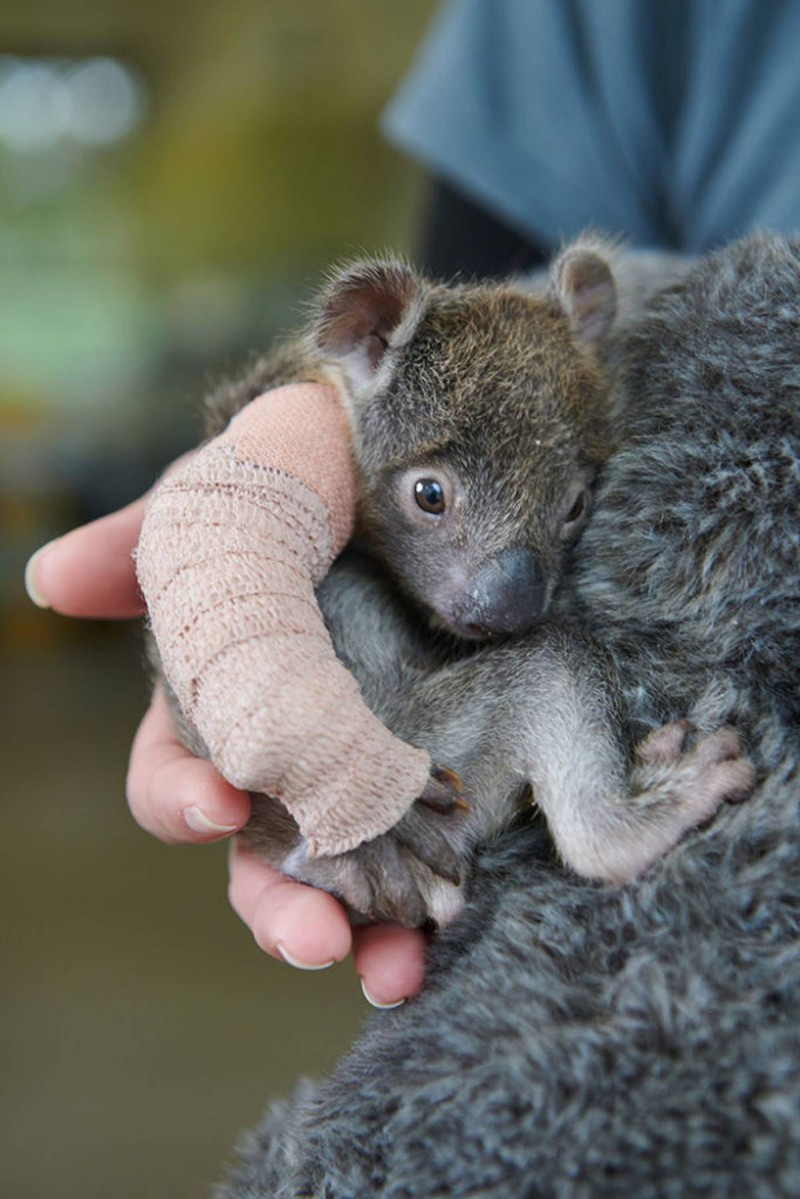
[481, 415]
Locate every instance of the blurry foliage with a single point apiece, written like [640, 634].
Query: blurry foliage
[134, 272]
[268, 148]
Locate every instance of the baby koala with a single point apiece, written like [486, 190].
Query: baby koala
[480, 417]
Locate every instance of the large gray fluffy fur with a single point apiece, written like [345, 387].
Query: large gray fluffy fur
[573, 1040]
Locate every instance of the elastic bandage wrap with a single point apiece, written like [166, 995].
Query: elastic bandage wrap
[233, 544]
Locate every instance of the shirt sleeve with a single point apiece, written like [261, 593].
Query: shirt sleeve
[670, 122]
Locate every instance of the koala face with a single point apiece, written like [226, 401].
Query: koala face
[480, 568]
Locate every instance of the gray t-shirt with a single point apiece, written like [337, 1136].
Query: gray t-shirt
[674, 122]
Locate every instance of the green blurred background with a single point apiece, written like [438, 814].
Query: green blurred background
[173, 178]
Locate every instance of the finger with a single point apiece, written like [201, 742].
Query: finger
[90, 571]
[305, 927]
[390, 961]
[173, 794]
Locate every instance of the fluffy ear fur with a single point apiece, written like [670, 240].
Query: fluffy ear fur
[582, 285]
[365, 310]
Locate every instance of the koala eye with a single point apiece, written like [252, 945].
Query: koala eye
[429, 496]
[578, 509]
[575, 518]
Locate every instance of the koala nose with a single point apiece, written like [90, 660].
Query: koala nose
[506, 596]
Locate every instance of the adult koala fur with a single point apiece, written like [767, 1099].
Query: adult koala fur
[573, 1040]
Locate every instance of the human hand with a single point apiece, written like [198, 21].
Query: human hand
[181, 799]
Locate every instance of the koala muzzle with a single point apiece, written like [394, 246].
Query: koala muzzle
[507, 595]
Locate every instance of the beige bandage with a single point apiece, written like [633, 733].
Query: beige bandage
[232, 546]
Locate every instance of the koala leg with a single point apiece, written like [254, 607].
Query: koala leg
[544, 714]
[557, 723]
[540, 714]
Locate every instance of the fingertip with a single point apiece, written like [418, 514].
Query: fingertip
[188, 801]
[217, 808]
[89, 571]
[203, 827]
[290, 960]
[34, 585]
[175, 796]
[373, 1002]
[390, 960]
[304, 927]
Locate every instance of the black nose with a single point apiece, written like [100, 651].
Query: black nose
[506, 596]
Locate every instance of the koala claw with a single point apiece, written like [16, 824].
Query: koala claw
[445, 775]
[444, 792]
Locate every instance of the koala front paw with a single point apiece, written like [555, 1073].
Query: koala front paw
[411, 874]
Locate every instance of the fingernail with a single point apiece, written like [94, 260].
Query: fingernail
[30, 584]
[383, 1006]
[198, 822]
[298, 965]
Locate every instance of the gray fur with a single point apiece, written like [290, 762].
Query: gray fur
[498, 394]
[576, 1041]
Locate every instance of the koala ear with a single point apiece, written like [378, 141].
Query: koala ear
[582, 284]
[366, 310]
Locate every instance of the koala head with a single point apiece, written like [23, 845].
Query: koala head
[479, 418]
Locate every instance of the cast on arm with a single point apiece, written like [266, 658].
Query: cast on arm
[232, 546]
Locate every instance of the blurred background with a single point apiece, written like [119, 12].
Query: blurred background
[173, 178]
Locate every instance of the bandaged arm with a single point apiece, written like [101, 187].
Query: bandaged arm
[233, 544]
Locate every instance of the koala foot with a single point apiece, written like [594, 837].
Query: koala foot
[674, 786]
[665, 744]
[695, 779]
[677, 785]
[409, 875]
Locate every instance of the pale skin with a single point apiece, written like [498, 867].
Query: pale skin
[180, 799]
